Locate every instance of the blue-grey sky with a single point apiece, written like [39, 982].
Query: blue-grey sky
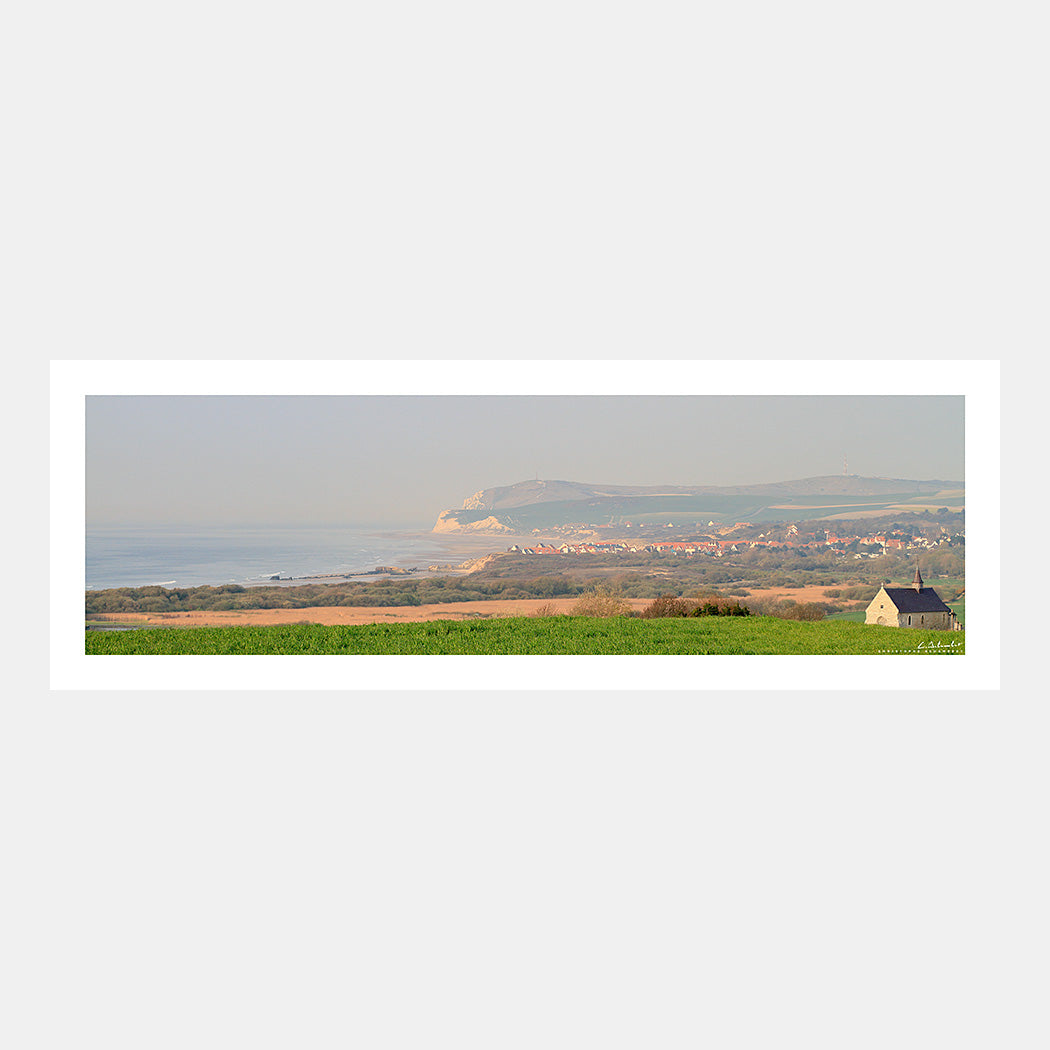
[400, 461]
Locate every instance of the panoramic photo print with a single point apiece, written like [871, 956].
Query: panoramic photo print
[587, 525]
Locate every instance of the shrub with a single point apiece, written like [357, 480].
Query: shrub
[854, 593]
[600, 602]
[721, 607]
[709, 605]
[668, 605]
[546, 609]
[725, 607]
[550, 586]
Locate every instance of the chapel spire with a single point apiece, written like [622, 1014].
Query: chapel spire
[917, 582]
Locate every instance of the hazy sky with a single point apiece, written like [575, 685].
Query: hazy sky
[402, 460]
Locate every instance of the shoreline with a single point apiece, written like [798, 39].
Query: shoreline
[447, 554]
[461, 550]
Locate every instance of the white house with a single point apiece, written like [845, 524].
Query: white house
[914, 606]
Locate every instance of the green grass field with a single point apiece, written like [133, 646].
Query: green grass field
[532, 636]
[858, 615]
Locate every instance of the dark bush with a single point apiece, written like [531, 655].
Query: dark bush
[710, 605]
[668, 605]
[718, 605]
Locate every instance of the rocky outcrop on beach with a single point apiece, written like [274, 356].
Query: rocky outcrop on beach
[477, 564]
[470, 565]
[449, 522]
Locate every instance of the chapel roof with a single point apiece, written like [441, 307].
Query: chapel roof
[909, 600]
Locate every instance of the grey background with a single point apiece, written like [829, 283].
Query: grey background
[792, 183]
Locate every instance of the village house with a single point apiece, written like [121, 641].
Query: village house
[914, 606]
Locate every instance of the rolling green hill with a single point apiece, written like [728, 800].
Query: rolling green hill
[548, 504]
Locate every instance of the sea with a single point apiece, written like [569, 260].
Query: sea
[188, 556]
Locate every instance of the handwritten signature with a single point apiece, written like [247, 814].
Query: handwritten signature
[926, 647]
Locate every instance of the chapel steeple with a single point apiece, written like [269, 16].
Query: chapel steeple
[917, 582]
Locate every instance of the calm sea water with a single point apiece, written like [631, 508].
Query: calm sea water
[189, 557]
